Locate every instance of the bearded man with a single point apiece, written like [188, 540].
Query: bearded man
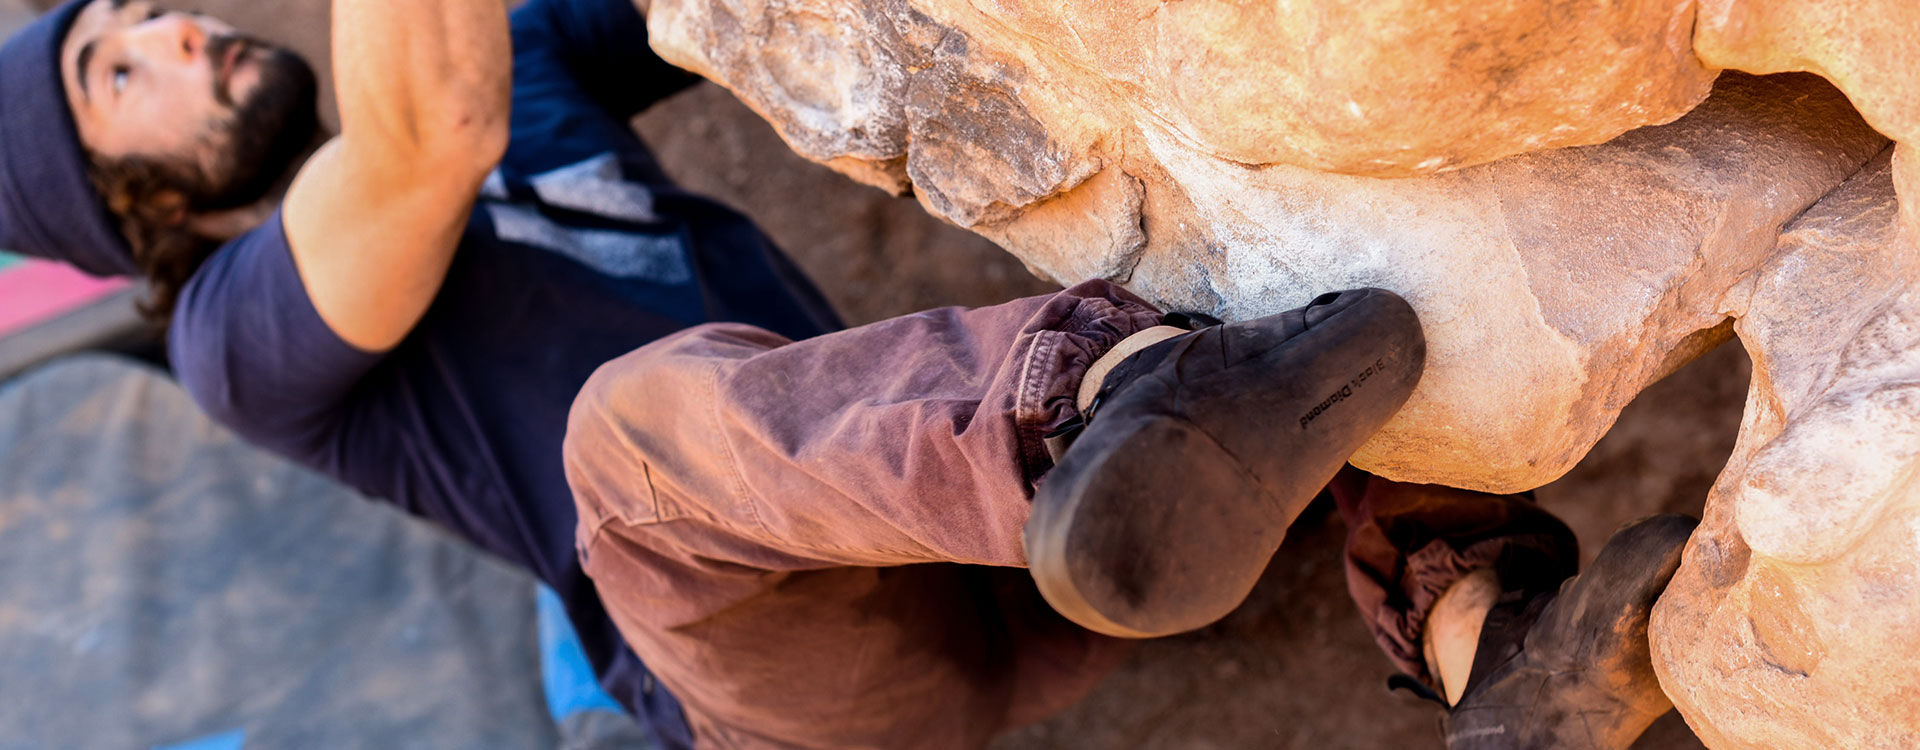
[411, 307]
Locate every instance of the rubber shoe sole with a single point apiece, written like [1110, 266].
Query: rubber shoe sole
[1165, 511]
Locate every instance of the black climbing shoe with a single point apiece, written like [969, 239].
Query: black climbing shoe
[1200, 450]
[1571, 670]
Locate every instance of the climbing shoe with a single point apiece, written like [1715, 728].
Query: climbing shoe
[1197, 452]
[1571, 670]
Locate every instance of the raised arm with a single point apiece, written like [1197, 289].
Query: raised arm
[374, 217]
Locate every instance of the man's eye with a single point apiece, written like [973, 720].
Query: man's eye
[120, 76]
[155, 13]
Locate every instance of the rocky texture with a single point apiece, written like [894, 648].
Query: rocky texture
[1225, 159]
[1236, 684]
[991, 108]
[1554, 286]
[1800, 583]
[1057, 133]
[1542, 321]
[1038, 124]
[1865, 47]
[1377, 87]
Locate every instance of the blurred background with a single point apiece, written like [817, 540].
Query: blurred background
[164, 586]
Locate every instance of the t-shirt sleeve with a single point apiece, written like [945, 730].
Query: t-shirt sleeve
[249, 346]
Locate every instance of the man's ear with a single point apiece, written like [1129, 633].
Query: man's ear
[231, 223]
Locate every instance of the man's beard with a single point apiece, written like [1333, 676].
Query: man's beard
[267, 133]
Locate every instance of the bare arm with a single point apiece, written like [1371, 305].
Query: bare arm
[374, 217]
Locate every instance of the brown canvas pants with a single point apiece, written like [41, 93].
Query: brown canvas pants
[816, 544]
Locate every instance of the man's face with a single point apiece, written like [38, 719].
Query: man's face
[229, 112]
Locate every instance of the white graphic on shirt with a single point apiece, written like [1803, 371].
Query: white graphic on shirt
[625, 255]
[495, 188]
[595, 187]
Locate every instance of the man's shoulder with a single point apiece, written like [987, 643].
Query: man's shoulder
[257, 261]
[245, 316]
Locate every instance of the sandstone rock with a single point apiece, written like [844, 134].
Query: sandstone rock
[1048, 93]
[1554, 286]
[1225, 159]
[1376, 87]
[1865, 47]
[1792, 621]
[1097, 142]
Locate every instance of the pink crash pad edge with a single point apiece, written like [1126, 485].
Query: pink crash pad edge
[36, 291]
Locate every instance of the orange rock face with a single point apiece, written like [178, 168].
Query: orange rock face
[1515, 169]
[1870, 49]
[1792, 620]
[1386, 88]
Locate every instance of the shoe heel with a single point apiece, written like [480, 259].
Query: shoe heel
[1135, 542]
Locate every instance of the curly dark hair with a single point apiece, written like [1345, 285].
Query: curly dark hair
[149, 197]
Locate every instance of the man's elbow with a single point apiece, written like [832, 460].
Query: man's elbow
[466, 144]
[457, 129]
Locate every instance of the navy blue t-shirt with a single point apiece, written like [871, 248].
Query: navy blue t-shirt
[579, 250]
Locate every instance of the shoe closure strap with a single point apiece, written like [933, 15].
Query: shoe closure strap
[1411, 684]
[1129, 346]
[1087, 399]
[1058, 441]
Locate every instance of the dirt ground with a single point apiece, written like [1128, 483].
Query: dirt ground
[1294, 668]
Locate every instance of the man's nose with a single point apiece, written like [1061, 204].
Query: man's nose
[174, 37]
